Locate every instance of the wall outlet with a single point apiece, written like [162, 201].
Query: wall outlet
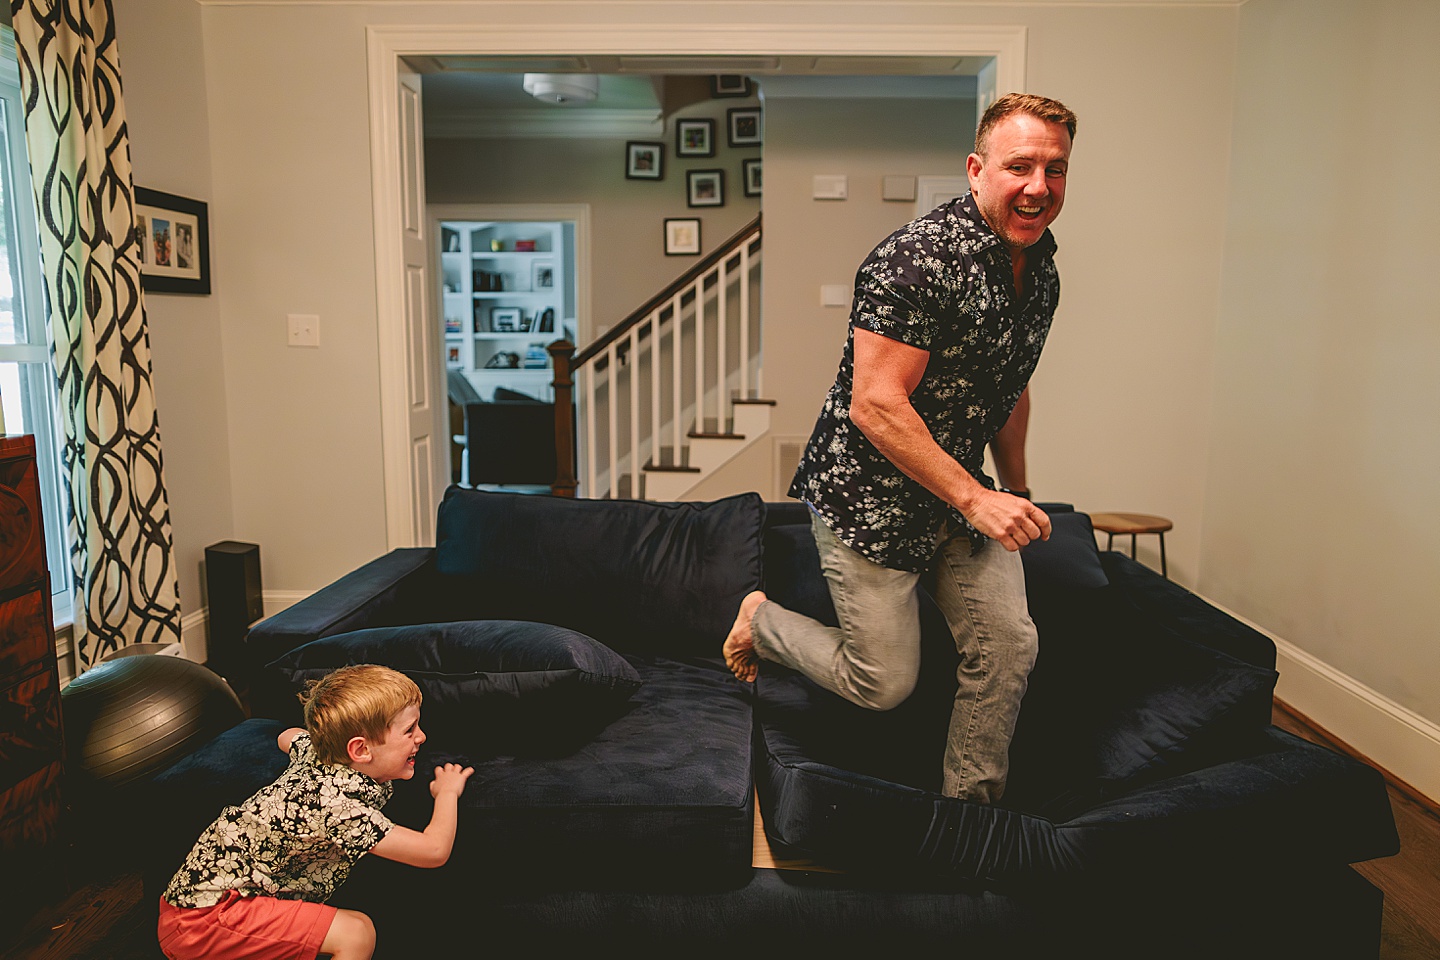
[304, 330]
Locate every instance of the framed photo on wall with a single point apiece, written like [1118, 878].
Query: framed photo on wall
[695, 138]
[750, 172]
[173, 239]
[705, 188]
[542, 275]
[744, 126]
[682, 236]
[729, 85]
[644, 161]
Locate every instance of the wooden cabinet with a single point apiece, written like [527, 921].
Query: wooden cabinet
[31, 742]
[507, 292]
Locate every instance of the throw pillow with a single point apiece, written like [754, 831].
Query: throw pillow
[643, 578]
[1068, 559]
[491, 686]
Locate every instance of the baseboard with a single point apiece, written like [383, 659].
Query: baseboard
[1392, 737]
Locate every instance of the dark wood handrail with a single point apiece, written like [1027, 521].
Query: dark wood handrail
[726, 249]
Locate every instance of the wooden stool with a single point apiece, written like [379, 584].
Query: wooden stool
[1133, 524]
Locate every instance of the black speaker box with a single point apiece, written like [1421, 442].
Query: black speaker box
[232, 578]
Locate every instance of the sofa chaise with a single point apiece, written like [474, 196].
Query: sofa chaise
[569, 649]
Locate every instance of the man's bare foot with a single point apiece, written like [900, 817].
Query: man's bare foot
[739, 648]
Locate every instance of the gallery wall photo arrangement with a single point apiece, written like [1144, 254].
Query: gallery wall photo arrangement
[644, 161]
[173, 235]
[695, 137]
[744, 126]
[705, 188]
[682, 236]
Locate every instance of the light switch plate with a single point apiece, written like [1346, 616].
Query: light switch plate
[834, 295]
[825, 186]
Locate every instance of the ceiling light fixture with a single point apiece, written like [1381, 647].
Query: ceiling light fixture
[562, 88]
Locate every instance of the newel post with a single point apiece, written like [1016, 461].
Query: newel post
[562, 352]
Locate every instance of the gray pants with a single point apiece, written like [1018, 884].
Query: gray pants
[873, 658]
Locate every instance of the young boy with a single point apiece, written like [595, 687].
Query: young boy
[255, 883]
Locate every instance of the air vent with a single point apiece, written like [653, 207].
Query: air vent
[699, 64]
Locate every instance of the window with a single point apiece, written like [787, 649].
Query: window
[27, 376]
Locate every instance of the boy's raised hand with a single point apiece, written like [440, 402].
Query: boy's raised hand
[450, 779]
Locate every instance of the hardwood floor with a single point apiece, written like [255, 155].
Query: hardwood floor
[101, 917]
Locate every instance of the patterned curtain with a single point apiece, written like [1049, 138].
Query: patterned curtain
[120, 543]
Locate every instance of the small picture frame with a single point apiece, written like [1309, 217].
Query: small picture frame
[705, 188]
[695, 138]
[729, 85]
[682, 237]
[172, 237]
[452, 353]
[750, 173]
[744, 126]
[505, 319]
[542, 275]
[644, 161]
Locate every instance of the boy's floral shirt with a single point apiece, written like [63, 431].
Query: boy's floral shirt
[295, 839]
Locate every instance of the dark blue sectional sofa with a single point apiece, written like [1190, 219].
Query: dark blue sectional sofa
[569, 649]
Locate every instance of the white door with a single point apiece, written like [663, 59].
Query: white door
[427, 438]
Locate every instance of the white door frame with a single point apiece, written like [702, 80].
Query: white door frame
[542, 35]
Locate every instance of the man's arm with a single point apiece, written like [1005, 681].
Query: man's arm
[886, 373]
[1008, 447]
[429, 847]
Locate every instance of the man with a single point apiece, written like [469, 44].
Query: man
[950, 314]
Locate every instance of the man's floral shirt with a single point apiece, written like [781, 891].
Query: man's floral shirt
[295, 839]
[943, 283]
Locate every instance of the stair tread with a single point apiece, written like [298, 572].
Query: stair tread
[761, 400]
[698, 435]
[667, 468]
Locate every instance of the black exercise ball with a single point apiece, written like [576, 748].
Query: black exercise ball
[131, 717]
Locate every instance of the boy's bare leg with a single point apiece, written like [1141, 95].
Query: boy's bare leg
[351, 936]
[739, 648]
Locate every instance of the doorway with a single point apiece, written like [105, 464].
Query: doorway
[652, 47]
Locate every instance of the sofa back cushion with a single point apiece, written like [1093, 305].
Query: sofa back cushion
[489, 686]
[642, 578]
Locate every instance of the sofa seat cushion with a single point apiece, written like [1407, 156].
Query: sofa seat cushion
[663, 794]
[663, 790]
[643, 578]
[490, 685]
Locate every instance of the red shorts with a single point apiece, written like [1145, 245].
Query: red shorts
[242, 928]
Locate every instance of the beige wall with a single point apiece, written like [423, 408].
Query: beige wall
[1313, 443]
[1319, 516]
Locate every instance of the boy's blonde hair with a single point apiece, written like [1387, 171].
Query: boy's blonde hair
[356, 701]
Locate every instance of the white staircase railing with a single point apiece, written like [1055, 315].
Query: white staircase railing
[670, 373]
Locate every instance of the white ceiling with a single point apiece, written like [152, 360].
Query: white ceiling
[478, 96]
